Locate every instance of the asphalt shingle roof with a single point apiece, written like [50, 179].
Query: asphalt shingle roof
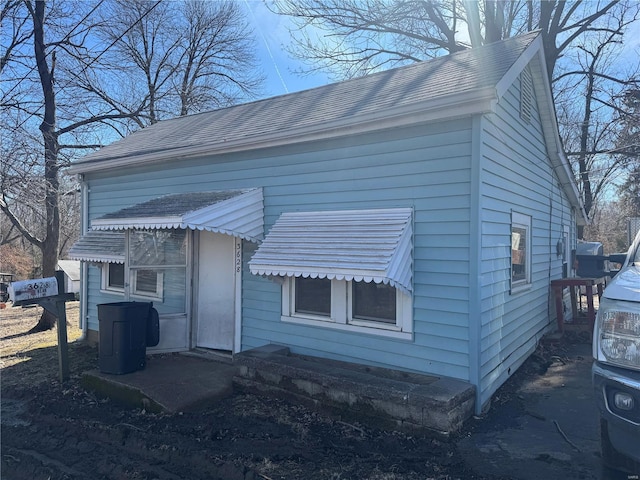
[173, 205]
[96, 246]
[356, 99]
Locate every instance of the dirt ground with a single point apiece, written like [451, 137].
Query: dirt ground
[54, 431]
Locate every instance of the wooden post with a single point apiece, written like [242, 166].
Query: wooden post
[63, 347]
[38, 292]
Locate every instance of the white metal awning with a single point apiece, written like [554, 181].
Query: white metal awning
[360, 245]
[101, 247]
[233, 212]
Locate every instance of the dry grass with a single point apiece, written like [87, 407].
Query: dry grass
[34, 356]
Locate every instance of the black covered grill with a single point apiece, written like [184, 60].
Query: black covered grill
[591, 261]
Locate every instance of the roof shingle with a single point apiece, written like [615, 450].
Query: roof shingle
[359, 98]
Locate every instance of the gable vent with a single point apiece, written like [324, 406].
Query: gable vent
[526, 95]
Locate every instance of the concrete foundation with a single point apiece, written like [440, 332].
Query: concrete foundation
[379, 396]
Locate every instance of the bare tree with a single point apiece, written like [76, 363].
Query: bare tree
[609, 227]
[19, 34]
[591, 129]
[30, 181]
[354, 37]
[79, 73]
[183, 57]
[350, 38]
[143, 56]
[628, 145]
[218, 64]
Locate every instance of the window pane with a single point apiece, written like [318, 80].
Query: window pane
[116, 275]
[157, 247]
[374, 301]
[313, 295]
[518, 254]
[170, 297]
[146, 281]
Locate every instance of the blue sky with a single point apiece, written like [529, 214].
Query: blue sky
[272, 36]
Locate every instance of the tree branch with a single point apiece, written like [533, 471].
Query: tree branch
[17, 223]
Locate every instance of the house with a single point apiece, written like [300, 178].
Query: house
[411, 219]
[71, 269]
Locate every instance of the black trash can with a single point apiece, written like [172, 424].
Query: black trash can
[123, 336]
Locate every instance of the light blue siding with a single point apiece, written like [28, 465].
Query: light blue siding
[517, 176]
[173, 294]
[426, 167]
[463, 178]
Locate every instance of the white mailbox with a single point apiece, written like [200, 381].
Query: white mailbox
[26, 290]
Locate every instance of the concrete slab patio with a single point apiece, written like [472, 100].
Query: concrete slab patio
[169, 383]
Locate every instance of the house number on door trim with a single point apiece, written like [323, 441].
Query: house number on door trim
[238, 256]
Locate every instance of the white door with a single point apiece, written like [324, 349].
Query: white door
[216, 291]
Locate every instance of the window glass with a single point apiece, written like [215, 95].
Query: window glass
[115, 275]
[374, 301]
[313, 296]
[146, 282]
[347, 305]
[520, 250]
[518, 253]
[157, 247]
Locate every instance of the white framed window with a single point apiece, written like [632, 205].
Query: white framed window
[311, 297]
[520, 251]
[113, 278]
[374, 308]
[153, 257]
[147, 283]
[372, 304]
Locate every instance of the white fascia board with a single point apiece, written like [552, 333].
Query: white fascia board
[444, 108]
[550, 129]
[535, 48]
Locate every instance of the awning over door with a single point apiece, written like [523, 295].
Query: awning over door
[360, 245]
[233, 212]
[96, 246]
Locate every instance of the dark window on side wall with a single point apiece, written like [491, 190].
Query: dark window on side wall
[116, 275]
[520, 251]
[374, 301]
[313, 296]
[519, 254]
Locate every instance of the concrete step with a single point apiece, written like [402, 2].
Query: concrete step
[385, 397]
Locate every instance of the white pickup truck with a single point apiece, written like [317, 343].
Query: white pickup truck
[616, 370]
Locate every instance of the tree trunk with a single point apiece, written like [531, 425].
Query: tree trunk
[583, 174]
[48, 128]
[494, 20]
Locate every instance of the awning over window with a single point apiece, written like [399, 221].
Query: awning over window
[233, 212]
[360, 245]
[95, 246]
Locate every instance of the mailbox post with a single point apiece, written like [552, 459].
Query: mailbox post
[50, 294]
